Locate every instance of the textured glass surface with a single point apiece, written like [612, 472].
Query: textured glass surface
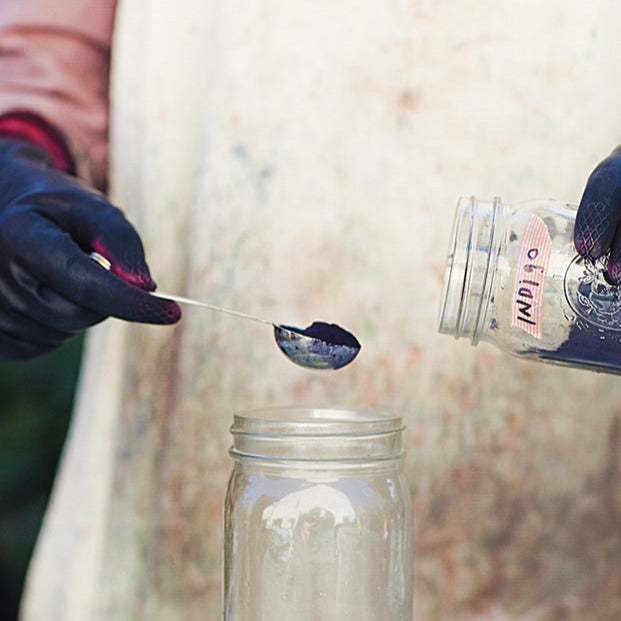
[318, 538]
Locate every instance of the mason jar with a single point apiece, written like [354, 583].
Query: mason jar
[514, 279]
[317, 518]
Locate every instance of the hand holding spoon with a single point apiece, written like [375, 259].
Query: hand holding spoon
[320, 346]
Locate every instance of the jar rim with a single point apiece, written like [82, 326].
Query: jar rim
[316, 435]
[468, 279]
[313, 421]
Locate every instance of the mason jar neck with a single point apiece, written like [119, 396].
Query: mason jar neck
[296, 434]
[473, 250]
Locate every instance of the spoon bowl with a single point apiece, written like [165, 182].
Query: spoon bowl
[316, 352]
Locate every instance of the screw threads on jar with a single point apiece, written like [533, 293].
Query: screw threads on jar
[467, 279]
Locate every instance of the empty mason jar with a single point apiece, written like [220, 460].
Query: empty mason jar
[513, 278]
[317, 518]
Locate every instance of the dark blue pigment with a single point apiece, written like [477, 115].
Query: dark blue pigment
[593, 348]
[328, 333]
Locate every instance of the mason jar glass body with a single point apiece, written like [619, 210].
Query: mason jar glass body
[317, 518]
[513, 278]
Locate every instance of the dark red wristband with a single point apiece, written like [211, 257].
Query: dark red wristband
[30, 126]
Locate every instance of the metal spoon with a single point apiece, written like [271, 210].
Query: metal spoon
[320, 346]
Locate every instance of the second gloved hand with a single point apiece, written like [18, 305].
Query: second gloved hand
[49, 287]
[597, 230]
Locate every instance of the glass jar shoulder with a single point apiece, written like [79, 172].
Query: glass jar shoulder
[559, 218]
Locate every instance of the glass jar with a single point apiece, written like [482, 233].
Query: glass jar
[513, 278]
[317, 518]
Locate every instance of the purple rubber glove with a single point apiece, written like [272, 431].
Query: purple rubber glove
[49, 287]
[597, 230]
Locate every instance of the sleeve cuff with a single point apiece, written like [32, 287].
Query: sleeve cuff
[30, 126]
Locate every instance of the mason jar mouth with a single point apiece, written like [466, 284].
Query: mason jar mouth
[467, 276]
[316, 434]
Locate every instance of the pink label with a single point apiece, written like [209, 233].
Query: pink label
[530, 277]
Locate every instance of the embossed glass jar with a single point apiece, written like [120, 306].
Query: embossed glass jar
[317, 518]
[513, 278]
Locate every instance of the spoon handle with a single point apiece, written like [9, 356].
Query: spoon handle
[98, 258]
[183, 300]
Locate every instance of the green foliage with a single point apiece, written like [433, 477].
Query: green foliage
[35, 408]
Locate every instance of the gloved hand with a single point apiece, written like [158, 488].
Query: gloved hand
[597, 229]
[49, 287]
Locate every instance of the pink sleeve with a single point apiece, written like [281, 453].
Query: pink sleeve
[54, 62]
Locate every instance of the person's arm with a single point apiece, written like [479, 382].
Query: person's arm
[54, 63]
[597, 230]
[54, 66]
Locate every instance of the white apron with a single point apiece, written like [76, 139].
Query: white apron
[301, 160]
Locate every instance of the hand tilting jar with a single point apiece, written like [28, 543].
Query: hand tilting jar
[317, 518]
[513, 278]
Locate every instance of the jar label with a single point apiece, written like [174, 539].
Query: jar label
[530, 277]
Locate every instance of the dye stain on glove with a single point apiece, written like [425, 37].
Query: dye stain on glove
[51, 290]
